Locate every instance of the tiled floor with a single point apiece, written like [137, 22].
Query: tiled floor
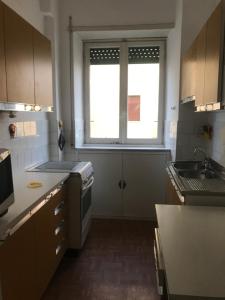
[117, 263]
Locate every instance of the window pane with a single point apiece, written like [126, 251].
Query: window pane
[143, 97]
[104, 94]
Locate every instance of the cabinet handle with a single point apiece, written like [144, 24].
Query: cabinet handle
[59, 228]
[59, 208]
[120, 184]
[59, 248]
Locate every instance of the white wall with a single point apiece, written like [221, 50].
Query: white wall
[173, 82]
[102, 13]
[29, 10]
[117, 12]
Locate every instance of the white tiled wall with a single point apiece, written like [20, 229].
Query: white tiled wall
[190, 132]
[216, 148]
[32, 139]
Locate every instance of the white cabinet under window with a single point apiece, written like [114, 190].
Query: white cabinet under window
[106, 193]
[127, 183]
[144, 175]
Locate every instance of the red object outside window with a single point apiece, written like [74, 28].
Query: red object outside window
[134, 105]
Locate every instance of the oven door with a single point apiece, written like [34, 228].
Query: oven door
[86, 205]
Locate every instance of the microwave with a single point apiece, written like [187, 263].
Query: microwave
[6, 181]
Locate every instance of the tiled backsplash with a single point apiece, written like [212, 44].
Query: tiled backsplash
[216, 148]
[189, 133]
[31, 142]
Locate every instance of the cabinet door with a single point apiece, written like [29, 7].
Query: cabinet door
[3, 95]
[106, 194]
[19, 58]
[42, 69]
[145, 179]
[188, 82]
[214, 44]
[50, 244]
[18, 265]
[200, 66]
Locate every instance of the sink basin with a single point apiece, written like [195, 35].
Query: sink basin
[197, 174]
[188, 165]
[193, 169]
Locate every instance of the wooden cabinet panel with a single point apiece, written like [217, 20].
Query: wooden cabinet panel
[171, 194]
[3, 94]
[47, 241]
[214, 43]
[18, 265]
[42, 69]
[19, 58]
[188, 83]
[200, 66]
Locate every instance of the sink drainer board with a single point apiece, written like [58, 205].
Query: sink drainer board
[212, 185]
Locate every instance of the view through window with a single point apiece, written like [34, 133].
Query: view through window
[124, 99]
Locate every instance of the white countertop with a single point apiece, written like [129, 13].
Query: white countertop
[192, 241]
[27, 198]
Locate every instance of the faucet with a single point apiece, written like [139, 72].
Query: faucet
[205, 160]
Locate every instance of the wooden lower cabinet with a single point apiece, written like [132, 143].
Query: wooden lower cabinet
[50, 232]
[18, 263]
[30, 256]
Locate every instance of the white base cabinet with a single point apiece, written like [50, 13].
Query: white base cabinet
[127, 183]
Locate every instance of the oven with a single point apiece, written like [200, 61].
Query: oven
[79, 196]
[86, 207]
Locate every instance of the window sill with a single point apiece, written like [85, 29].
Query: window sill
[154, 148]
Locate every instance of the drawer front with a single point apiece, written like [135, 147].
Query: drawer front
[159, 267]
[51, 237]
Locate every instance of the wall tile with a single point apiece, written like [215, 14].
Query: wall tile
[31, 144]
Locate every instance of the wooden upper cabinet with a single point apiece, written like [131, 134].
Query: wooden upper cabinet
[19, 58]
[189, 73]
[214, 45]
[3, 94]
[200, 66]
[42, 69]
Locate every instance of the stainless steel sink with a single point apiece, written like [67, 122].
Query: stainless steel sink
[188, 165]
[197, 177]
[197, 174]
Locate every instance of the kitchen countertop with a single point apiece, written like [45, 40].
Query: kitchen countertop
[192, 242]
[27, 198]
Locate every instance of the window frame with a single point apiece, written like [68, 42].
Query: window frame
[124, 45]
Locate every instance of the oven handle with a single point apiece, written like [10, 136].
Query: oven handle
[89, 184]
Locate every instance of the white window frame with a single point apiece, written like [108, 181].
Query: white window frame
[123, 45]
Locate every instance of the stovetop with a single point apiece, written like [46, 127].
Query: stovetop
[83, 168]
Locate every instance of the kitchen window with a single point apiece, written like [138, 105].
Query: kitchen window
[124, 91]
